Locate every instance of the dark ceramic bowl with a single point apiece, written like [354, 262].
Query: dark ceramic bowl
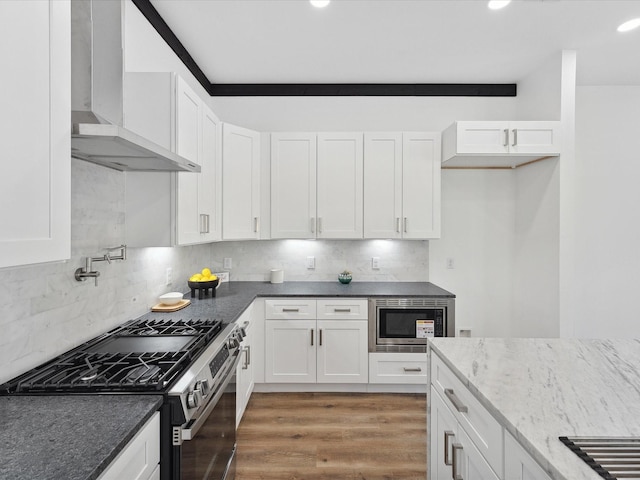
[203, 288]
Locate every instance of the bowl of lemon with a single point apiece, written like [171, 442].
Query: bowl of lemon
[203, 282]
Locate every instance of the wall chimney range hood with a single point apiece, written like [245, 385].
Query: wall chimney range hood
[98, 133]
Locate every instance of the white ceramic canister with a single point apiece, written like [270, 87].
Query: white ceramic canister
[277, 276]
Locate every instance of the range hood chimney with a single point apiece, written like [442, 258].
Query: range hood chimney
[97, 92]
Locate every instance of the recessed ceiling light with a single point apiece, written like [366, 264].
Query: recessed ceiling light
[319, 3]
[498, 4]
[630, 25]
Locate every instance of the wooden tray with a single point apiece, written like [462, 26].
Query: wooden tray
[161, 307]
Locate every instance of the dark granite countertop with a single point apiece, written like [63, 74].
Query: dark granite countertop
[71, 437]
[232, 298]
[75, 437]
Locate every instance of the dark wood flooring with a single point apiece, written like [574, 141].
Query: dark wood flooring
[322, 436]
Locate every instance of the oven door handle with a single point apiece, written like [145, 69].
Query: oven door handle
[192, 431]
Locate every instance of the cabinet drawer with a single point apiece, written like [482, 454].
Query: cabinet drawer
[140, 456]
[290, 309]
[348, 309]
[478, 423]
[399, 368]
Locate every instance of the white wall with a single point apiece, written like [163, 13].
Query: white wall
[311, 114]
[539, 93]
[45, 311]
[478, 219]
[606, 276]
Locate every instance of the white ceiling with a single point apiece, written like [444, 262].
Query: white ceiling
[403, 41]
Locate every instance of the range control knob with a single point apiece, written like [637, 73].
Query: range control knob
[233, 342]
[203, 386]
[193, 399]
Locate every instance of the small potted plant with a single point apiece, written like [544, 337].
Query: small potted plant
[345, 276]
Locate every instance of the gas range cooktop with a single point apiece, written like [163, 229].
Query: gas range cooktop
[610, 457]
[141, 355]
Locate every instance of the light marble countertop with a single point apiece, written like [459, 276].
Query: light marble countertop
[541, 389]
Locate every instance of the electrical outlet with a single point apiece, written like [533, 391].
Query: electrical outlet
[451, 263]
[169, 276]
[375, 263]
[226, 263]
[311, 262]
[222, 276]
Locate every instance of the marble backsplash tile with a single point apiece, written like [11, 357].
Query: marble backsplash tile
[405, 261]
[46, 311]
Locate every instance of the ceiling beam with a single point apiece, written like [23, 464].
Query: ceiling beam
[363, 89]
[318, 89]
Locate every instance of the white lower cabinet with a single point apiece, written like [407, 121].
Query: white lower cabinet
[398, 368]
[245, 379]
[299, 349]
[290, 351]
[466, 441]
[518, 464]
[140, 458]
[454, 455]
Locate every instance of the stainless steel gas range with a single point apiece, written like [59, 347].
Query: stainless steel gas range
[191, 362]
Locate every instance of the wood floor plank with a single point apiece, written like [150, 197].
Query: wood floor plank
[318, 436]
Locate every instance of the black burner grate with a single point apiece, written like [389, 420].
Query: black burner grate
[612, 458]
[141, 355]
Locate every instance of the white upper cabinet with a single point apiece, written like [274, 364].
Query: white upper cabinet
[36, 103]
[200, 195]
[168, 209]
[499, 143]
[340, 168]
[420, 185]
[382, 185]
[316, 185]
[402, 185]
[293, 185]
[241, 183]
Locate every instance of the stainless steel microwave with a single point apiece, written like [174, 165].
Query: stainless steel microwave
[405, 324]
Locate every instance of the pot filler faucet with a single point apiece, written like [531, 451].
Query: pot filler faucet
[87, 271]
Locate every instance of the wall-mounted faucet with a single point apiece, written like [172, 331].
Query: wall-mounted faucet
[87, 271]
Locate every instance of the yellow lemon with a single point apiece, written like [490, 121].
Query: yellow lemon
[213, 278]
[193, 278]
[206, 272]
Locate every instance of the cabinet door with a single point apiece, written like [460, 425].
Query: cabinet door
[188, 128]
[382, 185]
[340, 167]
[35, 185]
[241, 183]
[244, 372]
[290, 351]
[210, 178]
[518, 464]
[293, 185]
[421, 185]
[482, 137]
[470, 464]
[534, 137]
[140, 457]
[343, 355]
[443, 431]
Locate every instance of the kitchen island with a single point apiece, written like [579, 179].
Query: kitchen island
[541, 389]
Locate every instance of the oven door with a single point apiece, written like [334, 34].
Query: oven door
[209, 452]
[408, 326]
